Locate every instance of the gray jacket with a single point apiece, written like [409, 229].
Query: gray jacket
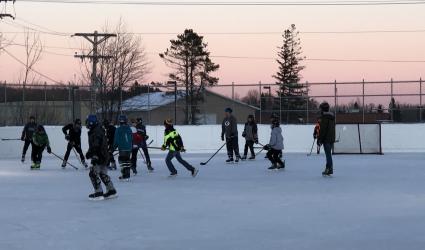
[276, 139]
[229, 127]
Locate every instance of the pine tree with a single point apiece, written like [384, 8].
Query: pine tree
[190, 59]
[288, 77]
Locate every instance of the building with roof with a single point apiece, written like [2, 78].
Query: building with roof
[157, 106]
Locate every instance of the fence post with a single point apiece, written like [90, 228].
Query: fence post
[259, 92]
[45, 103]
[308, 102]
[420, 99]
[149, 104]
[363, 101]
[5, 92]
[335, 99]
[392, 96]
[233, 95]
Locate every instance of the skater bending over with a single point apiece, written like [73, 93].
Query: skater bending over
[98, 153]
[40, 141]
[124, 142]
[73, 136]
[174, 143]
[250, 134]
[27, 134]
[229, 129]
[275, 145]
[327, 136]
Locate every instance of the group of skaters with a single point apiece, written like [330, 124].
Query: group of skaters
[127, 139]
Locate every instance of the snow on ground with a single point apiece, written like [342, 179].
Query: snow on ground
[373, 202]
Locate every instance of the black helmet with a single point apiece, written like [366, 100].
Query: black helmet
[324, 107]
[139, 120]
[78, 121]
[105, 122]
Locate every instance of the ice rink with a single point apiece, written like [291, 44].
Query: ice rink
[373, 202]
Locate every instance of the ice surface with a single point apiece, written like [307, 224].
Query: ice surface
[373, 202]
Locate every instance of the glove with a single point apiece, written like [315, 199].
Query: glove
[88, 155]
[266, 147]
[67, 137]
[163, 148]
[22, 138]
[182, 150]
[256, 140]
[222, 137]
[244, 134]
[146, 137]
[49, 150]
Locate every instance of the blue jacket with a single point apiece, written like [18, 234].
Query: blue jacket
[123, 139]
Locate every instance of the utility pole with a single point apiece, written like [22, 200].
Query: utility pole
[4, 15]
[95, 39]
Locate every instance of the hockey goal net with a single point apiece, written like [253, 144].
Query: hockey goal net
[358, 139]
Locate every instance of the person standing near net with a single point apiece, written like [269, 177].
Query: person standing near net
[73, 136]
[40, 141]
[98, 153]
[123, 140]
[27, 134]
[327, 136]
[229, 132]
[110, 134]
[174, 143]
[250, 133]
[275, 145]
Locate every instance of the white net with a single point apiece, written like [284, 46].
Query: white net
[358, 139]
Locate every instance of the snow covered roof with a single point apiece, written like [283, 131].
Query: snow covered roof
[150, 101]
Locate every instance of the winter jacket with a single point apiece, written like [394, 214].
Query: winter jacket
[123, 139]
[98, 146]
[137, 138]
[74, 133]
[28, 131]
[276, 138]
[316, 131]
[327, 128]
[141, 130]
[110, 134]
[250, 131]
[229, 127]
[172, 140]
[40, 139]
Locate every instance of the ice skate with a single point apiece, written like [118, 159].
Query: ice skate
[63, 164]
[172, 175]
[252, 157]
[23, 159]
[195, 172]
[230, 160]
[237, 159]
[273, 167]
[328, 172]
[243, 158]
[111, 194]
[97, 196]
[281, 166]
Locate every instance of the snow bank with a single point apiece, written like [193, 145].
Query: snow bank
[206, 138]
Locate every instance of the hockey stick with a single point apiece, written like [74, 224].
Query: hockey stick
[312, 146]
[144, 159]
[8, 139]
[205, 163]
[60, 158]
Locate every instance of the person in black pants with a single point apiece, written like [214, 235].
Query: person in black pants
[250, 134]
[110, 134]
[327, 136]
[27, 134]
[73, 136]
[140, 138]
[229, 131]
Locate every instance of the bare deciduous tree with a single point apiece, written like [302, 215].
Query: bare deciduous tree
[33, 49]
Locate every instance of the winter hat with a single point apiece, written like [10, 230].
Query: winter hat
[78, 121]
[251, 116]
[139, 120]
[168, 122]
[324, 107]
[122, 119]
[228, 110]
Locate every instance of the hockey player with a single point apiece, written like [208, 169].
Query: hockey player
[110, 134]
[27, 134]
[275, 145]
[140, 141]
[250, 134]
[316, 133]
[229, 132]
[73, 136]
[40, 141]
[174, 143]
[123, 140]
[327, 136]
[98, 153]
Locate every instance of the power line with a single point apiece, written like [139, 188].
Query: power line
[33, 70]
[240, 3]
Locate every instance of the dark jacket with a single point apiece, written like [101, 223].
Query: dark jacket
[28, 131]
[229, 127]
[74, 133]
[123, 138]
[250, 131]
[327, 128]
[98, 146]
[141, 131]
[110, 134]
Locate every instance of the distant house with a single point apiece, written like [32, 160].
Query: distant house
[157, 106]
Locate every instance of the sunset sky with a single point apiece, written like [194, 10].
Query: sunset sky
[71, 18]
